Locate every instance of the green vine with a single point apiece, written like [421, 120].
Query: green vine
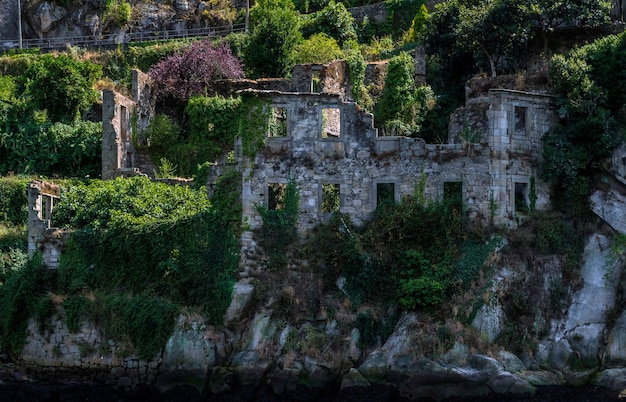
[279, 226]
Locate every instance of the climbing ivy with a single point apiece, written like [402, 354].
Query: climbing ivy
[279, 226]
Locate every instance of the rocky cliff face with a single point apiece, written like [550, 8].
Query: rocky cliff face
[262, 345]
[68, 19]
[8, 23]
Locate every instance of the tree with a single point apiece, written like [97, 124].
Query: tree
[550, 14]
[61, 85]
[194, 69]
[418, 26]
[334, 20]
[590, 104]
[494, 28]
[275, 33]
[402, 107]
[319, 48]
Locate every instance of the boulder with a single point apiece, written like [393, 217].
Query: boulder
[506, 383]
[242, 293]
[510, 362]
[456, 356]
[613, 379]
[45, 15]
[353, 379]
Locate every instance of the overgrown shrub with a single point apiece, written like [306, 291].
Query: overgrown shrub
[168, 242]
[18, 296]
[116, 13]
[61, 85]
[14, 200]
[402, 108]
[591, 118]
[279, 226]
[13, 250]
[334, 20]
[411, 255]
[319, 48]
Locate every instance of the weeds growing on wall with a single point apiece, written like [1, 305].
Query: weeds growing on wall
[279, 226]
[139, 251]
[214, 124]
[18, 296]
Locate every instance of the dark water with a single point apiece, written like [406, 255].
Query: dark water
[36, 392]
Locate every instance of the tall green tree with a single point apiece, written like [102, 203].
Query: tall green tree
[402, 107]
[494, 28]
[275, 33]
[61, 85]
[590, 103]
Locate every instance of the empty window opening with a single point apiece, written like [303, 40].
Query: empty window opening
[521, 197]
[331, 122]
[277, 125]
[124, 124]
[315, 81]
[385, 193]
[331, 200]
[453, 195]
[47, 203]
[128, 163]
[276, 195]
[520, 120]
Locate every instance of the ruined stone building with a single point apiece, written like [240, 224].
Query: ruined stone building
[323, 140]
[319, 137]
[120, 117]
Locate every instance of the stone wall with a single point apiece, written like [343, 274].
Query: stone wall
[120, 117]
[53, 353]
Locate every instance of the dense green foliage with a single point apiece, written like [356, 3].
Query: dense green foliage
[412, 255]
[279, 225]
[39, 127]
[402, 107]
[319, 48]
[275, 33]
[13, 253]
[57, 149]
[13, 200]
[590, 100]
[18, 296]
[166, 242]
[60, 85]
[333, 20]
[214, 124]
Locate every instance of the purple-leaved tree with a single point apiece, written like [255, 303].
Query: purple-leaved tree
[193, 70]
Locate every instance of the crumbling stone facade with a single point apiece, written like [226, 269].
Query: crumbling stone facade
[491, 160]
[42, 197]
[120, 117]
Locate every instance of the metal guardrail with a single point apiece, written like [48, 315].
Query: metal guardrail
[114, 40]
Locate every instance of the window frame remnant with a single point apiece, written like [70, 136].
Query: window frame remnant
[385, 191]
[276, 196]
[277, 125]
[327, 131]
[520, 120]
[521, 201]
[330, 197]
